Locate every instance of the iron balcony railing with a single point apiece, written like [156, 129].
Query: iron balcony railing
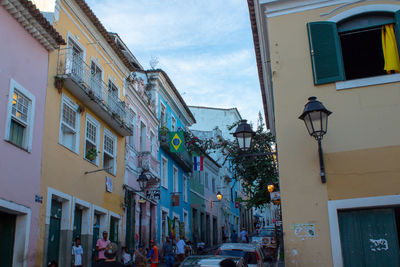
[71, 64]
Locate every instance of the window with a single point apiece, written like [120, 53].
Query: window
[132, 138]
[113, 96]
[164, 172]
[163, 115]
[20, 114]
[152, 144]
[109, 152]
[213, 185]
[173, 124]
[201, 177]
[92, 139]
[69, 124]
[185, 195]
[355, 47]
[77, 69]
[176, 181]
[96, 80]
[114, 229]
[142, 137]
[206, 179]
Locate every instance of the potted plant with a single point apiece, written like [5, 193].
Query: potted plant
[91, 154]
[163, 132]
[59, 82]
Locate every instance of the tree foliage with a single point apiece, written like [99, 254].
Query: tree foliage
[254, 172]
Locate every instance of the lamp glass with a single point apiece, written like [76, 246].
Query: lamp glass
[271, 188]
[142, 180]
[219, 195]
[244, 134]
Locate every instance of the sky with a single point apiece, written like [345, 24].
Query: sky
[205, 47]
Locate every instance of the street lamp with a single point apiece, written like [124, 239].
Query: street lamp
[271, 187]
[315, 117]
[244, 134]
[219, 196]
[142, 180]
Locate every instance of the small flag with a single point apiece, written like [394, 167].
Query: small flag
[176, 141]
[197, 163]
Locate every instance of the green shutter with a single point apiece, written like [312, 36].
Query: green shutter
[326, 53]
[397, 27]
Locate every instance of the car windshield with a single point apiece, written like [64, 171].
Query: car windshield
[267, 233]
[250, 257]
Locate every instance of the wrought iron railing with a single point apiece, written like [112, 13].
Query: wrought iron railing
[148, 162]
[71, 64]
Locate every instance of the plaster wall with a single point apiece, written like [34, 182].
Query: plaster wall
[24, 60]
[361, 138]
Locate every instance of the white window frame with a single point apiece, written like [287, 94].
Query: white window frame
[166, 210]
[111, 135]
[96, 62]
[97, 124]
[119, 218]
[65, 99]
[134, 124]
[103, 213]
[28, 133]
[335, 205]
[206, 180]
[185, 188]
[175, 179]
[163, 122]
[143, 149]
[112, 79]
[186, 221]
[152, 144]
[164, 172]
[213, 185]
[173, 125]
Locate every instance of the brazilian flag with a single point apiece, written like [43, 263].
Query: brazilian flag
[176, 141]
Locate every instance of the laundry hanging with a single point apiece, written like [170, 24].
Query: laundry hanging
[390, 50]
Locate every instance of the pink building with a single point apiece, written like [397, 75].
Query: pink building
[140, 214]
[27, 38]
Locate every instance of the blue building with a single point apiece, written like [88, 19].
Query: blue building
[175, 168]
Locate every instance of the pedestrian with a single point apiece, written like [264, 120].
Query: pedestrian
[200, 247]
[153, 254]
[234, 237]
[140, 259]
[77, 253]
[227, 263]
[110, 253]
[244, 237]
[101, 245]
[180, 249]
[168, 252]
[126, 257]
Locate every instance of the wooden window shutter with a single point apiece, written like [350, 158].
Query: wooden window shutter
[397, 27]
[326, 53]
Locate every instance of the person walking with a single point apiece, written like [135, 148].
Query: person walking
[110, 254]
[153, 255]
[244, 236]
[140, 259]
[126, 257]
[77, 253]
[101, 245]
[180, 249]
[168, 252]
[234, 237]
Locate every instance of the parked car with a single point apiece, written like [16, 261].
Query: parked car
[252, 254]
[211, 261]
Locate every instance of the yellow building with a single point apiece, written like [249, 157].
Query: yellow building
[84, 146]
[345, 53]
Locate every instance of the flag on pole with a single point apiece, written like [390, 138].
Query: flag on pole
[197, 163]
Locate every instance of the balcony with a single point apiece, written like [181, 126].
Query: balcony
[92, 91]
[148, 162]
[184, 159]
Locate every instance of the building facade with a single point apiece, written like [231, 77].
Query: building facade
[345, 53]
[175, 167]
[86, 121]
[23, 82]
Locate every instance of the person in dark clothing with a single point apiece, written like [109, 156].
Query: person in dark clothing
[234, 237]
[110, 252]
[227, 263]
[168, 252]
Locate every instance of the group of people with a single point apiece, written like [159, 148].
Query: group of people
[244, 236]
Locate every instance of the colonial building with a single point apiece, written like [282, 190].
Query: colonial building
[344, 53]
[175, 167]
[24, 51]
[86, 121]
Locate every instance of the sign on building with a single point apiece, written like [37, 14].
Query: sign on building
[153, 194]
[108, 184]
[175, 200]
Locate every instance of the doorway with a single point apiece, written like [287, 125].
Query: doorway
[7, 232]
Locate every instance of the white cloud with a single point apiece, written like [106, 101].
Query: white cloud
[205, 46]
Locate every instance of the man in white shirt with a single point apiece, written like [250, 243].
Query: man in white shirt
[244, 236]
[180, 249]
[77, 253]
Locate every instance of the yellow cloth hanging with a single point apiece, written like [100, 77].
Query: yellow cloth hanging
[390, 51]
